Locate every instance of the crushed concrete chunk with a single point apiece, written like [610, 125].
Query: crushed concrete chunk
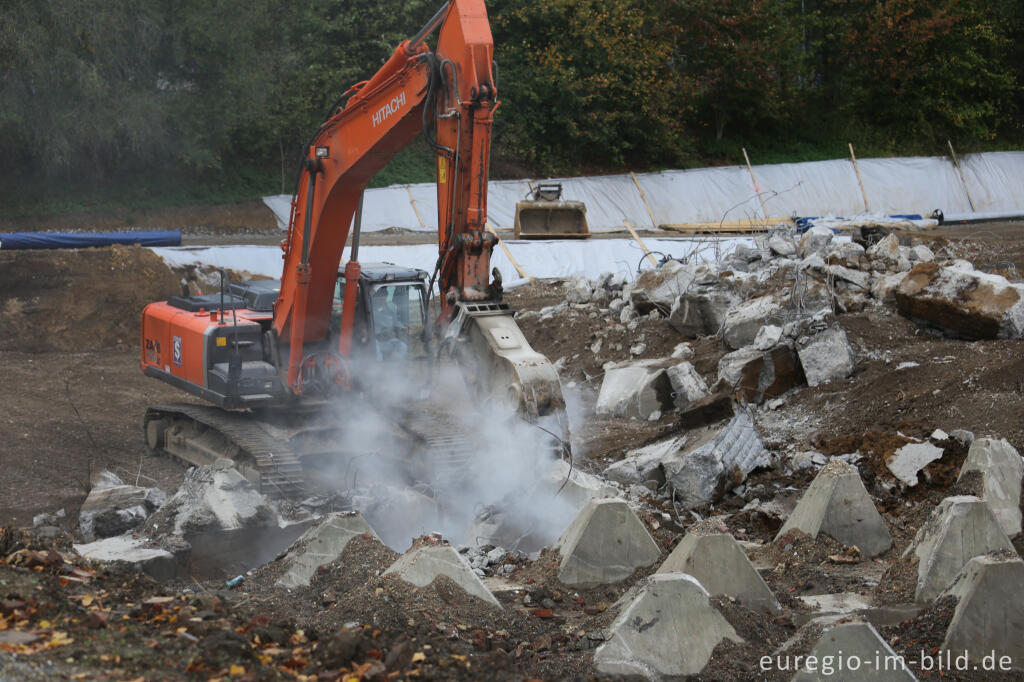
[744, 321]
[757, 375]
[968, 304]
[837, 504]
[782, 244]
[644, 464]
[815, 241]
[157, 562]
[606, 543]
[921, 254]
[422, 565]
[716, 464]
[687, 386]
[113, 508]
[661, 287]
[701, 313]
[826, 356]
[213, 497]
[989, 615]
[721, 566]
[886, 249]
[634, 389]
[1001, 471]
[321, 544]
[853, 641]
[669, 629]
[906, 462]
[884, 286]
[960, 528]
[578, 290]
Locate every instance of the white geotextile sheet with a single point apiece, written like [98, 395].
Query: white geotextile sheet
[911, 185]
[540, 259]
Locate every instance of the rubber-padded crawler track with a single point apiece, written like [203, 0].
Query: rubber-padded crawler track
[279, 468]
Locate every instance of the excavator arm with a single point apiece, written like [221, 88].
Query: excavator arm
[450, 95]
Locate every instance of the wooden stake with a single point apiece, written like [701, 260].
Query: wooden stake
[508, 253]
[860, 182]
[416, 210]
[956, 162]
[647, 252]
[753, 179]
[650, 213]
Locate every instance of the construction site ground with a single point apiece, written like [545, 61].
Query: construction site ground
[73, 398]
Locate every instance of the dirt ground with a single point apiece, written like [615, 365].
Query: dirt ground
[74, 397]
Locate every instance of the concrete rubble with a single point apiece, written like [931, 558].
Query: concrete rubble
[826, 356]
[669, 628]
[421, 565]
[113, 507]
[661, 287]
[989, 615]
[1001, 470]
[960, 528]
[756, 375]
[838, 505]
[688, 386]
[964, 303]
[906, 462]
[213, 497]
[643, 465]
[606, 543]
[744, 321]
[858, 641]
[718, 562]
[156, 561]
[634, 390]
[321, 544]
[718, 462]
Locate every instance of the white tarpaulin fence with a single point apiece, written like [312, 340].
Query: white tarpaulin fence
[993, 181]
[537, 258]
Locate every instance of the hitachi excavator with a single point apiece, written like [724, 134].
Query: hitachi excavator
[276, 358]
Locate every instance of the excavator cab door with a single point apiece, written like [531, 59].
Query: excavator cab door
[398, 315]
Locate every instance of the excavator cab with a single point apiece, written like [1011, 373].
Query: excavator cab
[391, 322]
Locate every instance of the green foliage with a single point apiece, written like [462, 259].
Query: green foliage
[142, 101]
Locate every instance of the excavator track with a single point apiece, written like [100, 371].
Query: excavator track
[199, 435]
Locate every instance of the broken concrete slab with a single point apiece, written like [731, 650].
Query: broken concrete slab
[853, 641]
[722, 567]
[687, 385]
[826, 356]
[211, 497]
[837, 504]
[768, 337]
[661, 287]
[112, 507]
[756, 375]
[701, 313]
[157, 562]
[968, 304]
[744, 320]
[860, 280]
[718, 462]
[715, 408]
[906, 462]
[846, 254]
[989, 616]
[1001, 471]
[781, 244]
[644, 464]
[578, 290]
[921, 254]
[960, 528]
[421, 565]
[634, 390]
[321, 544]
[815, 241]
[886, 250]
[574, 485]
[670, 628]
[883, 287]
[606, 543]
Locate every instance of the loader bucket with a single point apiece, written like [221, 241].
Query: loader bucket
[551, 220]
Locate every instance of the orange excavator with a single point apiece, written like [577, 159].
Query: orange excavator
[276, 359]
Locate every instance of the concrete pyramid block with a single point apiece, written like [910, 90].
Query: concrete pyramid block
[989, 616]
[421, 565]
[1001, 469]
[606, 543]
[960, 528]
[321, 544]
[854, 641]
[837, 504]
[670, 628]
[722, 567]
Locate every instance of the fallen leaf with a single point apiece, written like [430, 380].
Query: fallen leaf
[236, 670]
[87, 600]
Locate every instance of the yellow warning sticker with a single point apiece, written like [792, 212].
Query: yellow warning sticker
[442, 169]
[222, 341]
